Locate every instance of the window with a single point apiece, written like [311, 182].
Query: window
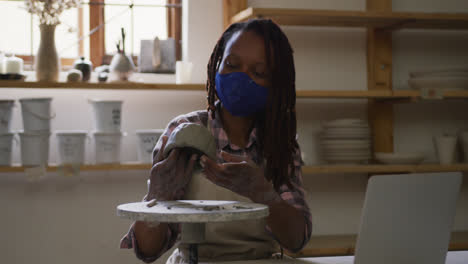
[93, 29]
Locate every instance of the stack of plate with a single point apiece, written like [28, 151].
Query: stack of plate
[346, 141]
[444, 79]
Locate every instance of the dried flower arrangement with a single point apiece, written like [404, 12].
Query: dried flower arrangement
[49, 11]
[121, 50]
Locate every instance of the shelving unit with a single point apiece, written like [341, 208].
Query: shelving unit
[380, 21]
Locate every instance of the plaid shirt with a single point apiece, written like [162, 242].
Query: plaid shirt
[294, 197]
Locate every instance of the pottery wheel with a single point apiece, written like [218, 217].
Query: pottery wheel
[193, 214]
[192, 211]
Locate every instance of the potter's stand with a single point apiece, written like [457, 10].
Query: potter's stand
[193, 214]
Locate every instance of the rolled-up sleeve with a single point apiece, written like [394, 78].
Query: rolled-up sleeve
[295, 197]
[129, 241]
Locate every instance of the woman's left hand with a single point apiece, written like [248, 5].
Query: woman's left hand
[240, 175]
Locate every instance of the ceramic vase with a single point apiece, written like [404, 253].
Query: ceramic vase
[85, 66]
[47, 61]
[121, 67]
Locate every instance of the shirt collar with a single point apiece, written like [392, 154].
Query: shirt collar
[217, 129]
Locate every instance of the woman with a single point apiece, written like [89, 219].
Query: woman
[251, 72]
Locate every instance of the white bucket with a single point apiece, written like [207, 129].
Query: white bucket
[5, 115]
[107, 147]
[147, 139]
[34, 148]
[183, 72]
[71, 146]
[107, 115]
[464, 145]
[36, 114]
[6, 142]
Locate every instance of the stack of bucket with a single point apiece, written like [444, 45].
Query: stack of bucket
[147, 139]
[71, 147]
[35, 137]
[108, 134]
[6, 136]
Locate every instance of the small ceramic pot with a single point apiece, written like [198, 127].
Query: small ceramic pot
[121, 67]
[74, 75]
[85, 66]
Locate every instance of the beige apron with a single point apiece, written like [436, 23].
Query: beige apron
[228, 241]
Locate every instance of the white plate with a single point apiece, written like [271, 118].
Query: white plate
[441, 75]
[347, 161]
[453, 83]
[345, 147]
[399, 158]
[347, 130]
[346, 122]
[347, 157]
[448, 71]
[351, 133]
[348, 152]
[347, 136]
[343, 142]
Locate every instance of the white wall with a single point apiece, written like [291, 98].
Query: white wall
[203, 21]
[73, 220]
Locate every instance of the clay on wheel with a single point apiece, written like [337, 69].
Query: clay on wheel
[194, 136]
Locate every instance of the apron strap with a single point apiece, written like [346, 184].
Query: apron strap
[206, 120]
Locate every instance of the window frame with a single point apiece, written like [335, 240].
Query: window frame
[98, 55]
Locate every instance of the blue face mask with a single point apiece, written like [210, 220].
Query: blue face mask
[239, 94]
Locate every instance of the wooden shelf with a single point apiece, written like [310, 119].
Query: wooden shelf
[461, 94]
[304, 94]
[377, 168]
[97, 167]
[350, 94]
[318, 169]
[113, 86]
[341, 245]
[335, 18]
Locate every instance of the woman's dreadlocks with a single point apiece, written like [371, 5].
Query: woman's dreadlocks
[276, 127]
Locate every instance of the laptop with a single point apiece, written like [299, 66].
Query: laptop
[407, 218]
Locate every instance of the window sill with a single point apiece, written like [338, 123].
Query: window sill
[138, 81]
[136, 77]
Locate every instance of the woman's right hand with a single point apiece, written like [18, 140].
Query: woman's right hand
[170, 176]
